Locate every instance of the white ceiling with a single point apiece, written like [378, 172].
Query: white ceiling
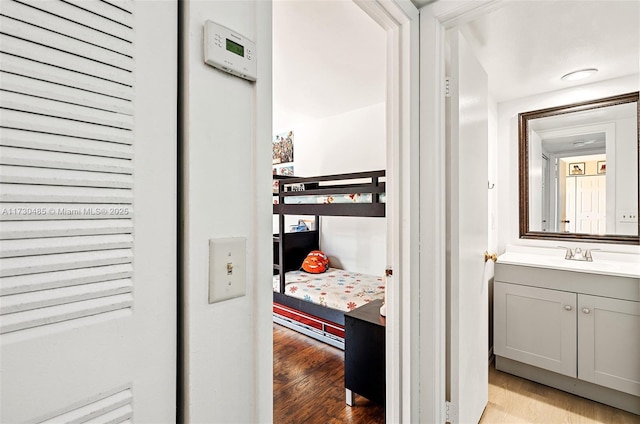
[526, 46]
[585, 137]
[329, 56]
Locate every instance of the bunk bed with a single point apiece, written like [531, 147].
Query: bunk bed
[360, 194]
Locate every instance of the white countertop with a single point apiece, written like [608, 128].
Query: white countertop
[605, 263]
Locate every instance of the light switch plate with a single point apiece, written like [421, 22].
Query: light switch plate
[227, 268]
[628, 217]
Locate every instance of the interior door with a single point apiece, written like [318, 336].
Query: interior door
[468, 235]
[569, 221]
[88, 224]
[591, 204]
[546, 195]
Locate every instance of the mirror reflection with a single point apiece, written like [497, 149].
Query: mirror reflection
[581, 169]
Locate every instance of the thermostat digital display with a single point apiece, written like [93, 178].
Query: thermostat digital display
[234, 47]
[229, 51]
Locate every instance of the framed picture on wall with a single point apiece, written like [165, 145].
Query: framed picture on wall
[284, 170]
[602, 167]
[576, 168]
[283, 148]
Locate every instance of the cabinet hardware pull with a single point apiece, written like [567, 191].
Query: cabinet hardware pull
[586, 310]
[568, 307]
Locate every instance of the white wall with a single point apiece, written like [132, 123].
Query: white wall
[226, 179]
[535, 182]
[626, 197]
[329, 89]
[507, 166]
[348, 142]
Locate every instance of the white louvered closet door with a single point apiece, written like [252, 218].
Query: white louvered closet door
[88, 210]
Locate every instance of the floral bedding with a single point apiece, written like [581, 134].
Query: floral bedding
[338, 198]
[335, 288]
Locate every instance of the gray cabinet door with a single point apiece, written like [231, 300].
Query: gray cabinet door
[536, 326]
[609, 342]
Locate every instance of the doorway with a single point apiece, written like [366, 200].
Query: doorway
[474, 20]
[400, 31]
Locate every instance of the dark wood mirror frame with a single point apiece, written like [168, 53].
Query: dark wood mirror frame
[523, 136]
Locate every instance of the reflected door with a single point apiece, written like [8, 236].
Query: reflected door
[585, 205]
[545, 193]
[568, 223]
[591, 204]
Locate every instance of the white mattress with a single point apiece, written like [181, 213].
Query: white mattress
[335, 288]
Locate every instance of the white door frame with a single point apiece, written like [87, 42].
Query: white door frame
[399, 18]
[435, 19]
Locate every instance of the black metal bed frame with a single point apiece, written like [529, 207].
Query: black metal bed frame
[290, 249]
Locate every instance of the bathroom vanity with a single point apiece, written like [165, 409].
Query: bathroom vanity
[573, 325]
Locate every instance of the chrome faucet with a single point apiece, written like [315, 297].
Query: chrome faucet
[578, 254]
[569, 252]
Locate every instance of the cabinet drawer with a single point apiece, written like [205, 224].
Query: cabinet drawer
[536, 326]
[609, 343]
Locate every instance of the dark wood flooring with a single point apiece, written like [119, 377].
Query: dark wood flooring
[308, 383]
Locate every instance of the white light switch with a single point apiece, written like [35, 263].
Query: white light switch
[227, 268]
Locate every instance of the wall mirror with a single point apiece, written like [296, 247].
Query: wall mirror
[579, 171]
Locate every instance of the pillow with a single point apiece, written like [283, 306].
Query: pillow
[316, 262]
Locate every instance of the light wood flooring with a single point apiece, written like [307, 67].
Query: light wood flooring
[514, 400]
[308, 387]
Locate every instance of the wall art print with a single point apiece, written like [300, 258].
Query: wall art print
[283, 170]
[283, 148]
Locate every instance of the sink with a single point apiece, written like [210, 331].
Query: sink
[606, 263]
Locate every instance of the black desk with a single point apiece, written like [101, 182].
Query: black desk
[364, 353]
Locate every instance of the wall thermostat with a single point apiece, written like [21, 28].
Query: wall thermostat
[229, 51]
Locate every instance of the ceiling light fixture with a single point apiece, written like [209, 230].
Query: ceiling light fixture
[579, 74]
[580, 143]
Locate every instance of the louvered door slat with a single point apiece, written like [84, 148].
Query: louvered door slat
[46, 90]
[118, 416]
[106, 10]
[47, 246]
[67, 77]
[63, 262]
[93, 410]
[51, 56]
[51, 228]
[51, 280]
[45, 159]
[62, 144]
[24, 193]
[83, 17]
[47, 176]
[50, 315]
[52, 125]
[56, 109]
[55, 23]
[44, 299]
[41, 36]
[126, 5]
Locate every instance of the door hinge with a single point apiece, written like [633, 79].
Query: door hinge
[451, 412]
[447, 86]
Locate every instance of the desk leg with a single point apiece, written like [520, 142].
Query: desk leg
[350, 397]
